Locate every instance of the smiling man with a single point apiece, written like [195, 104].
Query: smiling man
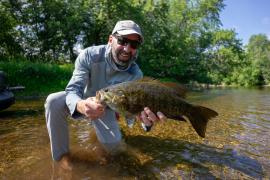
[96, 67]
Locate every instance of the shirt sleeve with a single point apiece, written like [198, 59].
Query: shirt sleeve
[77, 83]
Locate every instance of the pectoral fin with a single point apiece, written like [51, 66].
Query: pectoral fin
[130, 120]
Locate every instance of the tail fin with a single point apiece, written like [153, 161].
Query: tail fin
[199, 117]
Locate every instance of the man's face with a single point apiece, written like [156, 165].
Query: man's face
[124, 48]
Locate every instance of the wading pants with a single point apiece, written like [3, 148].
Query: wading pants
[56, 113]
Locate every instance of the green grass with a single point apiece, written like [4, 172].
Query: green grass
[39, 79]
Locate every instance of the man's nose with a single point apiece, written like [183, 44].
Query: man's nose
[127, 48]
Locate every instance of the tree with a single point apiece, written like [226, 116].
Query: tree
[9, 46]
[258, 53]
[177, 34]
[224, 57]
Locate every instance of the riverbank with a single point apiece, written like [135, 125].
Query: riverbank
[39, 79]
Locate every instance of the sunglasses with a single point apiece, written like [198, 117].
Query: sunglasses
[124, 42]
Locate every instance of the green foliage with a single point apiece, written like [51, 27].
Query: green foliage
[224, 57]
[258, 54]
[183, 39]
[176, 37]
[9, 46]
[37, 78]
[247, 76]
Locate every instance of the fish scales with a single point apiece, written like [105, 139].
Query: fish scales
[130, 98]
[153, 95]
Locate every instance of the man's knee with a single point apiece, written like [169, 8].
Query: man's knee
[56, 102]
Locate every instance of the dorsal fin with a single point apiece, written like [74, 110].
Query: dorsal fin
[178, 88]
[148, 79]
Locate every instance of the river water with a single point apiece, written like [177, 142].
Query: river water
[237, 143]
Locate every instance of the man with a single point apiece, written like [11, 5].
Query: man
[95, 68]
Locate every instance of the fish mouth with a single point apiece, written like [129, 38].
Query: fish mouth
[98, 95]
[103, 96]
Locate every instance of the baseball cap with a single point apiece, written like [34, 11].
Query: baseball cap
[127, 27]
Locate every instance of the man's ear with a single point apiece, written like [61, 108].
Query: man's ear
[110, 39]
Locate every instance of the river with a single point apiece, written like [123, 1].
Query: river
[237, 143]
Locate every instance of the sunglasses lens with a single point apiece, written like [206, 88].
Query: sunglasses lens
[124, 41]
[134, 44]
[121, 41]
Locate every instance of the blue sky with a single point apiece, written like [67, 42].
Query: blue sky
[247, 17]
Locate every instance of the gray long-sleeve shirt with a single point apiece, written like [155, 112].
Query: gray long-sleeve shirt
[94, 70]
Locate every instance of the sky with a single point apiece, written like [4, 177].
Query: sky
[246, 17]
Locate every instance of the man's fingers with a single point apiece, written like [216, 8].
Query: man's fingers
[96, 100]
[150, 115]
[87, 105]
[93, 111]
[145, 119]
[161, 116]
[94, 105]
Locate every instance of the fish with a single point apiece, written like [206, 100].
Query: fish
[129, 99]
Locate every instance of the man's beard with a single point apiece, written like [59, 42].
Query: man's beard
[116, 54]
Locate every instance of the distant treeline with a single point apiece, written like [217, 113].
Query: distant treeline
[184, 39]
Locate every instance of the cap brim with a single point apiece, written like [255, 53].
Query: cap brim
[129, 31]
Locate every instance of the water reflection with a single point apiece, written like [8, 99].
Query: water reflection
[236, 145]
[15, 113]
[198, 158]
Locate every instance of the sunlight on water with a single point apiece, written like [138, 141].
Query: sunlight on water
[236, 146]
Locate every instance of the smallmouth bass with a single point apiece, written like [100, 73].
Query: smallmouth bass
[130, 98]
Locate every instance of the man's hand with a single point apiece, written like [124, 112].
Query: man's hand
[91, 108]
[149, 118]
